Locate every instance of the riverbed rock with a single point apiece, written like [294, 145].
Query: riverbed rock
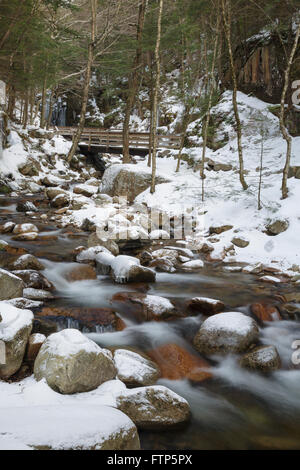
[85, 189]
[29, 168]
[240, 242]
[7, 227]
[127, 181]
[26, 206]
[37, 294]
[69, 427]
[263, 358]
[265, 312]
[220, 229]
[228, 332]
[127, 269]
[50, 182]
[52, 193]
[111, 245]
[35, 342]
[147, 307]
[82, 272]
[177, 363]
[135, 370]
[205, 305]
[71, 363]
[27, 304]
[154, 407]
[28, 262]
[62, 200]
[34, 279]
[90, 255]
[25, 237]
[11, 286]
[86, 317]
[25, 228]
[15, 328]
[277, 226]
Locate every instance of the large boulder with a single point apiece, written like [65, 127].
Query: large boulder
[72, 363]
[15, 329]
[154, 407]
[34, 279]
[11, 286]
[135, 370]
[229, 332]
[28, 262]
[127, 181]
[69, 427]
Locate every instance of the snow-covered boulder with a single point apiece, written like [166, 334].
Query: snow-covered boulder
[37, 294]
[147, 307]
[25, 228]
[68, 427]
[154, 407]
[11, 286]
[28, 262]
[128, 269]
[277, 226]
[127, 181]
[34, 279]
[229, 332]
[111, 245]
[72, 363]
[264, 358]
[85, 190]
[91, 254]
[135, 370]
[15, 329]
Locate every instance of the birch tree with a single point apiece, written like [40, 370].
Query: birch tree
[156, 92]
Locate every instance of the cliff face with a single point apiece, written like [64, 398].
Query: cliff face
[260, 62]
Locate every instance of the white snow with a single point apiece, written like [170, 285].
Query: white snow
[234, 322]
[121, 266]
[13, 320]
[158, 305]
[69, 342]
[131, 365]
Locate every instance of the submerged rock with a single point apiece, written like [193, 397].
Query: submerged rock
[265, 312]
[229, 332]
[177, 363]
[72, 363]
[15, 329]
[154, 407]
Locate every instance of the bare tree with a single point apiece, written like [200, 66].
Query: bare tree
[284, 130]
[210, 97]
[156, 91]
[133, 81]
[226, 13]
[87, 79]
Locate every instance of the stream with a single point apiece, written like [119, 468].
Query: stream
[236, 409]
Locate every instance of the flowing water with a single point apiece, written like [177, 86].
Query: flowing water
[236, 409]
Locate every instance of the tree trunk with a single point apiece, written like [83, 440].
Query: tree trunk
[156, 91]
[43, 107]
[207, 121]
[133, 82]
[11, 102]
[284, 130]
[87, 80]
[227, 27]
[50, 110]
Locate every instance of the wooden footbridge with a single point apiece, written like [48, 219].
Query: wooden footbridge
[111, 141]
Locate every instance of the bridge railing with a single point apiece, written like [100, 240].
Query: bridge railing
[114, 138]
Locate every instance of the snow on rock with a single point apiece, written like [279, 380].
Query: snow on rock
[226, 332]
[25, 228]
[154, 407]
[135, 370]
[91, 253]
[158, 306]
[37, 294]
[194, 264]
[72, 363]
[68, 428]
[128, 269]
[15, 328]
[206, 305]
[265, 358]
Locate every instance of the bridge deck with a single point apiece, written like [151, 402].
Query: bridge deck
[92, 137]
